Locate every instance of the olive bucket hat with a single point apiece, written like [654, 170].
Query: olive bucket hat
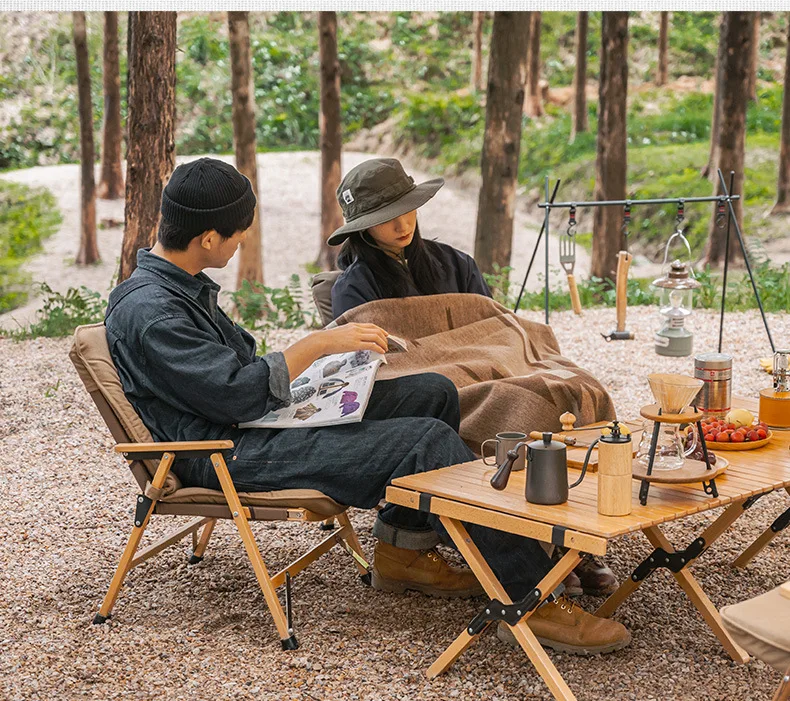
[375, 192]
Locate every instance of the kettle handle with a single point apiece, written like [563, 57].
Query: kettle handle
[584, 467]
[500, 479]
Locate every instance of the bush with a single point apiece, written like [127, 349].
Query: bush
[262, 308]
[62, 313]
[27, 217]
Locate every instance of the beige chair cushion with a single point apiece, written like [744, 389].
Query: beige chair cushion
[90, 354]
[321, 287]
[762, 626]
[310, 499]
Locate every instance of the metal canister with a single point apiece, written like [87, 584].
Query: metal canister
[715, 371]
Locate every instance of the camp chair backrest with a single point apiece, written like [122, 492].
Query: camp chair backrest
[91, 357]
[321, 287]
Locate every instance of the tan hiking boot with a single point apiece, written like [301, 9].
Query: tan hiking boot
[399, 569]
[565, 627]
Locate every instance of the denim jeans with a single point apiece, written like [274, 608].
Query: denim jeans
[410, 426]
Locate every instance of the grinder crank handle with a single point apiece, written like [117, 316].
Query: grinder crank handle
[502, 475]
[576, 302]
[621, 286]
[538, 436]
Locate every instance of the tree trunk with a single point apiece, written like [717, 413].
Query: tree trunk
[507, 73]
[331, 136]
[754, 59]
[732, 130]
[709, 171]
[579, 121]
[663, 50]
[534, 102]
[150, 153]
[782, 205]
[88, 252]
[477, 50]
[610, 162]
[111, 184]
[243, 92]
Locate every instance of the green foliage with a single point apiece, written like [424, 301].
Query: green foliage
[62, 313]
[43, 87]
[499, 284]
[263, 309]
[433, 121]
[27, 217]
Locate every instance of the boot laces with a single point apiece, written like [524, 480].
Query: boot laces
[565, 604]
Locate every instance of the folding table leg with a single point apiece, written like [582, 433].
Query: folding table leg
[526, 638]
[700, 600]
[780, 523]
[141, 522]
[287, 638]
[706, 538]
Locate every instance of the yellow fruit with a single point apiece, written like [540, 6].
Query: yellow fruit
[740, 417]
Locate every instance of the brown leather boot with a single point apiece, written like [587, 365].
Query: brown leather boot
[591, 576]
[398, 569]
[565, 627]
[595, 577]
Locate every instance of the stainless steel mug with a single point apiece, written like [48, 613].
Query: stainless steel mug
[505, 442]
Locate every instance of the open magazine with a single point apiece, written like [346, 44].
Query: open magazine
[334, 390]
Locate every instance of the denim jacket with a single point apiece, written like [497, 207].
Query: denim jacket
[188, 370]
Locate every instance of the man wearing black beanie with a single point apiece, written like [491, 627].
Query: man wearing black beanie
[192, 374]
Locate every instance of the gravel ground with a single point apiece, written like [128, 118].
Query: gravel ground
[204, 632]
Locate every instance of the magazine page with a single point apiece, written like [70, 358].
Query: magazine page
[334, 390]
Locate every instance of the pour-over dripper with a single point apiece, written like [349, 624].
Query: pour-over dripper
[673, 392]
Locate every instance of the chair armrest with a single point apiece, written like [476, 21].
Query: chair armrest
[181, 449]
[784, 590]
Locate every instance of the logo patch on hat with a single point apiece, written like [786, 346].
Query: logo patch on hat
[348, 198]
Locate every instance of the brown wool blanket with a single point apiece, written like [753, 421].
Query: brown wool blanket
[509, 371]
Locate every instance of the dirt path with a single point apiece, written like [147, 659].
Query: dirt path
[289, 190]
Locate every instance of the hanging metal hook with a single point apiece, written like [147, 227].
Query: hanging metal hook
[681, 213]
[721, 213]
[572, 220]
[626, 218]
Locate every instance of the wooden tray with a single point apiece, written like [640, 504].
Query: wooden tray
[692, 471]
[587, 434]
[746, 445]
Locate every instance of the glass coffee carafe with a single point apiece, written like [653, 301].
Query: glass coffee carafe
[673, 394]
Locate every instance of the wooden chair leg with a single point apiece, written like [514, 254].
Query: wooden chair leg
[351, 540]
[783, 692]
[327, 524]
[200, 548]
[134, 541]
[239, 512]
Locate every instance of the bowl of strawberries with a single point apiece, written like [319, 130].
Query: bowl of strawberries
[739, 430]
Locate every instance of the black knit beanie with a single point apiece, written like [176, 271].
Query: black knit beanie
[207, 194]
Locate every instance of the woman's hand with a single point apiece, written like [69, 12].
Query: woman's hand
[342, 339]
[354, 337]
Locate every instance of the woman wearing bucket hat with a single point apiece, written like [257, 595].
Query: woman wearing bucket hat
[383, 254]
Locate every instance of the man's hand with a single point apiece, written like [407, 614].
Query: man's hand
[354, 337]
[342, 339]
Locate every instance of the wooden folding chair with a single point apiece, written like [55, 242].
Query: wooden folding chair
[163, 494]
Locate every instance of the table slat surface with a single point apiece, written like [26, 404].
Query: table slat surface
[750, 473]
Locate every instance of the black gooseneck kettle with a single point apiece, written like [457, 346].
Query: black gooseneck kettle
[547, 470]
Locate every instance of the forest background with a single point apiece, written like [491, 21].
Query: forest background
[406, 89]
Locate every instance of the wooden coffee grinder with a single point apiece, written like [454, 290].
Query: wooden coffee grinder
[615, 455]
[775, 401]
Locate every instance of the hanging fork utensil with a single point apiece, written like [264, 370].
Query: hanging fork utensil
[568, 259]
